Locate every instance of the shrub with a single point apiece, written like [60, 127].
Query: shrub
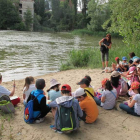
[20, 26]
[91, 57]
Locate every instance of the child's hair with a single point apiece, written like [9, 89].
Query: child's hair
[115, 81]
[65, 92]
[88, 78]
[139, 90]
[132, 54]
[40, 83]
[118, 60]
[108, 86]
[84, 95]
[28, 81]
[56, 87]
[130, 61]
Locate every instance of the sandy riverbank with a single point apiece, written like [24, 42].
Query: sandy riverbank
[111, 125]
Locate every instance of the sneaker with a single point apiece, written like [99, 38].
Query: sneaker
[55, 130]
[59, 131]
[39, 120]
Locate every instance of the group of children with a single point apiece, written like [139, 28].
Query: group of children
[81, 105]
[81, 100]
[84, 100]
[123, 66]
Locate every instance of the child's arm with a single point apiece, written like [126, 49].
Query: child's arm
[79, 110]
[125, 75]
[103, 99]
[131, 103]
[53, 104]
[13, 91]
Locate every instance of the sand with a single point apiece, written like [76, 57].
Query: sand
[110, 125]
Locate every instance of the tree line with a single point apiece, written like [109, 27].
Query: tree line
[118, 16]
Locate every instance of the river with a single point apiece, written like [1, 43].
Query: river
[33, 53]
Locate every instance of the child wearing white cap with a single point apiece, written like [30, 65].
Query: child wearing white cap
[88, 106]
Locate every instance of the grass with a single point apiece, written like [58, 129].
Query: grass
[91, 57]
[91, 33]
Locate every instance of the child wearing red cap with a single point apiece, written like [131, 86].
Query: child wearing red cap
[66, 101]
[133, 106]
[118, 66]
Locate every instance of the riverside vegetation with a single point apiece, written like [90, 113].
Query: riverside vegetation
[91, 57]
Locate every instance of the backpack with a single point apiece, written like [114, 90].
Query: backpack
[5, 105]
[103, 49]
[28, 111]
[67, 118]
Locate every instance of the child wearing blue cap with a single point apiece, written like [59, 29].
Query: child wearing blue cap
[125, 63]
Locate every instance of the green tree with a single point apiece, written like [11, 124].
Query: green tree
[39, 8]
[28, 20]
[125, 19]
[9, 15]
[98, 13]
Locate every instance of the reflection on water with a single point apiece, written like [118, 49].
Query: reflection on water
[31, 53]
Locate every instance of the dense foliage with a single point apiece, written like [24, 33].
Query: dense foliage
[125, 19]
[9, 16]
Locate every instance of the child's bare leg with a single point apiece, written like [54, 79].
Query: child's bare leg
[54, 111]
[113, 67]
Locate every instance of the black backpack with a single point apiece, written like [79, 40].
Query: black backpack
[103, 49]
[67, 118]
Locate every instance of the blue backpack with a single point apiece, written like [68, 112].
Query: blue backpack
[28, 111]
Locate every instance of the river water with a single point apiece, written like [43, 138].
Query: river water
[32, 53]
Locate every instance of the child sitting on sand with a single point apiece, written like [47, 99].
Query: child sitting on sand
[124, 64]
[88, 106]
[29, 86]
[118, 83]
[132, 75]
[40, 109]
[108, 98]
[118, 66]
[53, 91]
[66, 101]
[101, 89]
[4, 91]
[133, 105]
[89, 78]
[84, 83]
